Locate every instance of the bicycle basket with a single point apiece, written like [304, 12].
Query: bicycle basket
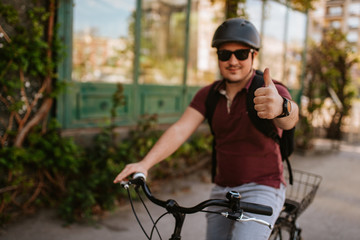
[303, 190]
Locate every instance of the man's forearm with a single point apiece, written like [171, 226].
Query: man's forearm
[168, 143]
[289, 121]
[174, 137]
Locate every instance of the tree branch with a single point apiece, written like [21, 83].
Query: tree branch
[47, 103]
[43, 111]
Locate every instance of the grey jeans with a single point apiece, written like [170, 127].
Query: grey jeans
[221, 228]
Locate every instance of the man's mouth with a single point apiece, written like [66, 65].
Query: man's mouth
[233, 69]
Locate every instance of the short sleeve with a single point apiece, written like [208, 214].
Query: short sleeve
[198, 102]
[282, 90]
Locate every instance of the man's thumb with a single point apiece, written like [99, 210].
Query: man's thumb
[267, 78]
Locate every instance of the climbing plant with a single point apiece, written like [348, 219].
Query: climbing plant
[27, 69]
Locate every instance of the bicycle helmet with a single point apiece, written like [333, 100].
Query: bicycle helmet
[237, 30]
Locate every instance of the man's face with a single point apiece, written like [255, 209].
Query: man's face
[233, 69]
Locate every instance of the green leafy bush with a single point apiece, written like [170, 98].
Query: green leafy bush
[36, 174]
[53, 171]
[92, 192]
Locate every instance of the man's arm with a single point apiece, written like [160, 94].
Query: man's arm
[168, 143]
[269, 104]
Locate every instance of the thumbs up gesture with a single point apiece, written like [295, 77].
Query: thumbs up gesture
[268, 102]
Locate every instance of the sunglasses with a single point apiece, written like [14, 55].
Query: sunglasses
[240, 54]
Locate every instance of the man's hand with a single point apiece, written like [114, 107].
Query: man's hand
[131, 169]
[268, 102]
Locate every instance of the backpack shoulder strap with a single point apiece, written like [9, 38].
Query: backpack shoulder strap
[263, 125]
[210, 105]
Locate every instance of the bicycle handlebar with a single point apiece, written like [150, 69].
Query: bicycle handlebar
[233, 203]
[139, 180]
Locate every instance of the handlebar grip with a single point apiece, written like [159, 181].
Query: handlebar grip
[256, 208]
[139, 175]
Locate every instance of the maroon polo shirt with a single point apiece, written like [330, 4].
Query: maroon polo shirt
[244, 154]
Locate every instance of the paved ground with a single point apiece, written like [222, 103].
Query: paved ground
[334, 214]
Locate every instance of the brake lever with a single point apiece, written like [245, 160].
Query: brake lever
[125, 184]
[136, 179]
[244, 218]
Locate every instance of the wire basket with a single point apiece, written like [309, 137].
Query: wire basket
[303, 190]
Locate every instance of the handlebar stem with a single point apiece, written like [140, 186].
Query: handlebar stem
[171, 207]
[234, 200]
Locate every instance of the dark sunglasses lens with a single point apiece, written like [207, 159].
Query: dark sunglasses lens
[224, 55]
[242, 54]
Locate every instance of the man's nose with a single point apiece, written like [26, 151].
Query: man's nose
[233, 59]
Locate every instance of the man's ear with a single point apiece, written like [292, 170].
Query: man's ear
[253, 55]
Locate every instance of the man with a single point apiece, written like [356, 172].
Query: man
[247, 161]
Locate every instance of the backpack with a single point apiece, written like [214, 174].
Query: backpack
[265, 126]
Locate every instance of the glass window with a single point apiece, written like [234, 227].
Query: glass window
[103, 41]
[162, 42]
[335, 11]
[353, 22]
[354, 8]
[273, 39]
[295, 48]
[253, 11]
[335, 24]
[206, 16]
[352, 36]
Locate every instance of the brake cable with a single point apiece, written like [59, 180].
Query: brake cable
[148, 212]
[133, 209]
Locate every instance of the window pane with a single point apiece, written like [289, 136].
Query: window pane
[354, 8]
[162, 42]
[335, 24]
[206, 16]
[335, 11]
[273, 39]
[352, 36]
[295, 47]
[103, 40]
[353, 22]
[253, 10]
